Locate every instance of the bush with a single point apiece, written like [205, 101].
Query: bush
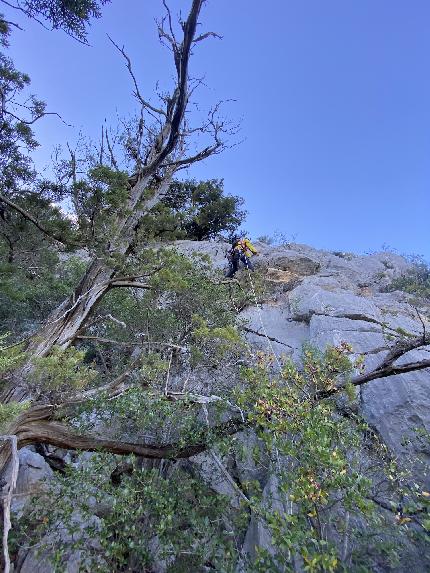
[416, 281]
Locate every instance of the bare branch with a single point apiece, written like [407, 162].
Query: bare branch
[8, 498]
[422, 322]
[179, 100]
[111, 153]
[35, 222]
[132, 284]
[166, 386]
[169, 17]
[207, 35]
[130, 344]
[203, 154]
[401, 347]
[115, 320]
[37, 117]
[137, 93]
[12, 24]
[387, 367]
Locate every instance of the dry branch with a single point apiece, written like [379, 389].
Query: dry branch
[34, 221]
[7, 500]
[43, 424]
[130, 344]
[130, 284]
[387, 367]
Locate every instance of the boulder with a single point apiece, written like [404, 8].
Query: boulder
[308, 299]
[33, 475]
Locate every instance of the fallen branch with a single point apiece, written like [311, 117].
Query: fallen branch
[8, 498]
[43, 425]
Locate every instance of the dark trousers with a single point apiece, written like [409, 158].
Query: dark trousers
[235, 260]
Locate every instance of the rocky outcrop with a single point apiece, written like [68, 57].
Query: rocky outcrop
[33, 475]
[340, 299]
[321, 298]
[324, 299]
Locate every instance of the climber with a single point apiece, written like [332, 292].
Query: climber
[241, 250]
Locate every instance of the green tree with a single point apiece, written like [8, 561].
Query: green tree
[105, 370]
[202, 210]
[72, 16]
[16, 136]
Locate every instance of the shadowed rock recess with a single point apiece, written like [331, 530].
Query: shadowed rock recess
[320, 298]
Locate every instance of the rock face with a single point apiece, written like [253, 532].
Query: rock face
[323, 299]
[337, 299]
[32, 476]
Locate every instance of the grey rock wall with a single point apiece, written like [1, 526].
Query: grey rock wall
[324, 299]
[339, 299]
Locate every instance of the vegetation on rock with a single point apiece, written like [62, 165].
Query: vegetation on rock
[118, 346]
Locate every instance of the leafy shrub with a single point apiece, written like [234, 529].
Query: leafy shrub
[415, 281]
[10, 411]
[144, 520]
[62, 371]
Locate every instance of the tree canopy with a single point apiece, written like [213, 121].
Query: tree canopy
[116, 345]
[197, 210]
[72, 16]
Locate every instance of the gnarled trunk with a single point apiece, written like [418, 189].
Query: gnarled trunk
[62, 325]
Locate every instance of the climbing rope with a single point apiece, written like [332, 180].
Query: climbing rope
[269, 342]
[260, 316]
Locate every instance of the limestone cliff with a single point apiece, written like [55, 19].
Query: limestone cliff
[321, 298]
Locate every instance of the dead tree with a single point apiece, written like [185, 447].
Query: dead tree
[165, 153]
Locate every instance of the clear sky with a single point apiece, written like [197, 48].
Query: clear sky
[333, 98]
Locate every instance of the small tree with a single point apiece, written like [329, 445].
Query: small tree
[204, 210]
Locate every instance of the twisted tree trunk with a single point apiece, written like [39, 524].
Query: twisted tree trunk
[62, 326]
[67, 319]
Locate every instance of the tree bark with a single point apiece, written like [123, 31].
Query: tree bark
[43, 424]
[62, 326]
[65, 322]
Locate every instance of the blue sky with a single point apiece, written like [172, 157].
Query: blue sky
[333, 98]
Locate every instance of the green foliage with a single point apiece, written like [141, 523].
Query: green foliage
[20, 240]
[8, 412]
[33, 285]
[416, 281]
[10, 357]
[317, 464]
[217, 342]
[181, 289]
[197, 211]
[17, 138]
[147, 519]
[321, 466]
[62, 371]
[323, 484]
[98, 199]
[72, 16]
[106, 190]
